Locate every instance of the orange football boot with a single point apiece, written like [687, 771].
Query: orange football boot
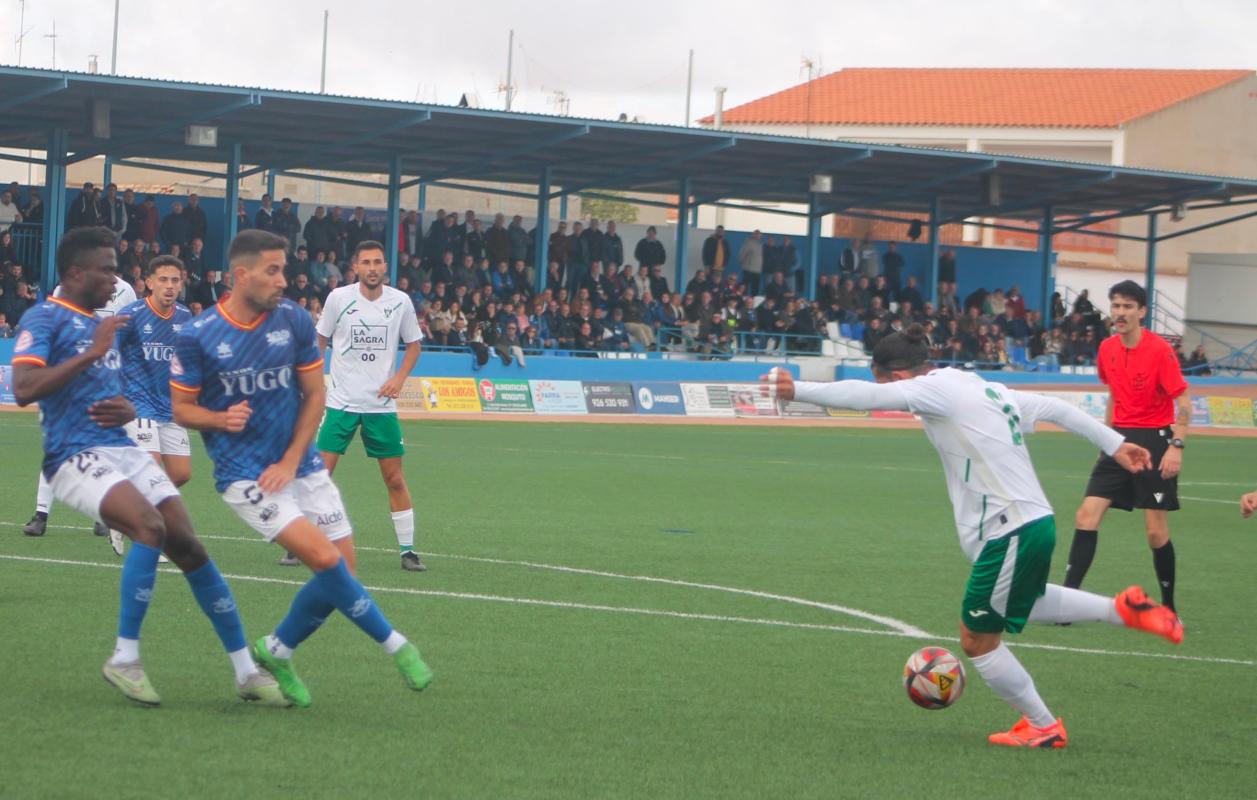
[1023, 734]
[1141, 613]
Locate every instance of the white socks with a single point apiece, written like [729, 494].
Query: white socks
[1007, 678]
[393, 643]
[404, 527]
[277, 648]
[125, 651]
[43, 495]
[242, 663]
[1061, 604]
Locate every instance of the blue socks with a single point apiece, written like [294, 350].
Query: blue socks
[331, 589]
[214, 597]
[139, 574]
[308, 611]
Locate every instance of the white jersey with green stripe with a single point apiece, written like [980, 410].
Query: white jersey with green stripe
[978, 428]
[364, 337]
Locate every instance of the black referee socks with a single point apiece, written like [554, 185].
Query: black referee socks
[1163, 562]
[1081, 554]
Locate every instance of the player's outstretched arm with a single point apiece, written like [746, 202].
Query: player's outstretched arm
[1041, 408]
[313, 396]
[858, 395]
[1248, 504]
[32, 382]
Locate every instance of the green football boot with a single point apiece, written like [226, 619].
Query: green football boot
[130, 679]
[417, 674]
[284, 674]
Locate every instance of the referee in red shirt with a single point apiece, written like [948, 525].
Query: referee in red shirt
[1144, 380]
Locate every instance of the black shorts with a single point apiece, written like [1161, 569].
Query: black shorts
[1127, 491]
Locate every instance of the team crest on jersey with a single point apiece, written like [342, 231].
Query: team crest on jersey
[224, 350]
[279, 337]
[388, 312]
[148, 328]
[24, 342]
[176, 327]
[78, 325]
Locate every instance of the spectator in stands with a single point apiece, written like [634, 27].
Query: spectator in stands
[716, 250]
[876, 310]
[113, 212]
[473, 241]
[521, 242]
[559, 245]
[264, 219]
[300, 287]
[194, 261]
[210, 290]
[243, 222]
[994, 304]
[320, 270]
[318, 231]
[411, 243]
[777, 287]
[6, 330]
[298, 264]
[751, 262]
[1082, 304]
[1198, 362]
[286, 223]
[874, 332]
[892, 265]
[497, 241]
[1058, 308]
[140, 254]
[633, 312]
[947, 266]
[174, 228]
[519, 278]
[948, 304]
[579, 254]
[596, 240]
[714, 337]
[86, 210]
[649, 250]
[612, 253]
[1014, 303]
[198, 225]
[790, 265]
[658, 282]
[772, 257]
[9, 213]
[13, 304]
[33, 211]
[340, 236]
[882, 289]
[909, 293]
[358, 230]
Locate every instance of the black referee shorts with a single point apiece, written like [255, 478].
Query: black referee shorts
[1127, 491]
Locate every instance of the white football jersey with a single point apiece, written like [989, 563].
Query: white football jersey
[123, 296]
[978, 429]
[364, 336]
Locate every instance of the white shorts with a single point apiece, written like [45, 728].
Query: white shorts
[163, 438]
[84, 479]
[314, 497]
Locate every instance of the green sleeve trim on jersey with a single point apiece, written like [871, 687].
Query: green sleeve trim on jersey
[968, 463]
[982, 519]
[344, 311]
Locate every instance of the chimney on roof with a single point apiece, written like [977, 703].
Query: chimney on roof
[720, 107]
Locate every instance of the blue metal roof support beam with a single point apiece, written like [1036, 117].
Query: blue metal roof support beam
[393, 225]
[683, 235]
[563, 208]
[203, 173]
[814, 218]
[305, 176]
[657, 168]
[1034, 202]
[231, 198]
[1046, 278]
[106, 176]
[307, 157]
[1036, 230]
[1138, 211]
[936, 213]
[1206, 226]
[238, 104]
[968, 171]
[506, 156]
[22, 159]
[52, 87]
[54, 218]
[1150, 269]
[467, 187]
[541, 240]
[762, 209]
[797, 180]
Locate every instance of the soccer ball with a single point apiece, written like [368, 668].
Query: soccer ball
[934, 677]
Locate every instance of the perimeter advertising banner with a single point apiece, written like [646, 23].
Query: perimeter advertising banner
[707, 400]
[411, 398]
[1200, 410]
[659, 398]
[1231, 412]
[6, 386]
[557, 397]
[609, 397]
[797, 408]
[449, 394]
[749, 400]
[505, 396]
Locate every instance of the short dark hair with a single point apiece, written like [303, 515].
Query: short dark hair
[1131, 290]
[904, 350]
[254, 242]
[80, 241]
[371, 244]
[151, 268]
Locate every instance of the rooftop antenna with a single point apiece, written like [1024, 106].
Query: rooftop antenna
[113, 57]
[559, 99]
[53, 36]
[22, 30]
[509, 86]
[689, 88]
[810, 66]
[93, 64]
[323, 68]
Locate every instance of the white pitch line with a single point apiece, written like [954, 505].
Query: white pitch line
[666, 613]
[1235, 502]
[529, 601]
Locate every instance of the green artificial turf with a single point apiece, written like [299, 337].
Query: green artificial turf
[618, 686]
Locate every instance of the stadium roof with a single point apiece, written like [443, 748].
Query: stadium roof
[1036, 98]
[286, 130]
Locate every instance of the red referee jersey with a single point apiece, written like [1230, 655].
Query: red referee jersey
[1144, 380]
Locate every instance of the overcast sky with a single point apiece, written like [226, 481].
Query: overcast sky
[614, 58]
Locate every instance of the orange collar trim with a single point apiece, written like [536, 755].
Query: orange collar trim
[222, 310]
[71, 306]
[153, 308]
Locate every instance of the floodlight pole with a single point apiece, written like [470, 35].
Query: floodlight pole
[689, 88]
[510, 60]
[323, 67]
[1045, 266]
[1150, 270]
[113, 58]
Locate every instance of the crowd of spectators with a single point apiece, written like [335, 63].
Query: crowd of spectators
[473, 283]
